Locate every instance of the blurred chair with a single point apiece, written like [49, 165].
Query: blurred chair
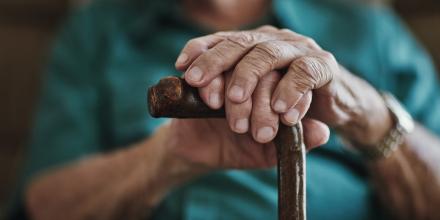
[26, 30]
[423, 17]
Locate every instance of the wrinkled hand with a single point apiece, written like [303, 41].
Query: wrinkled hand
[209, 144]
[241, 69]
[256, 94]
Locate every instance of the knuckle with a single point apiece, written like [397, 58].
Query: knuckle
[269, 48]
[303, 73]
[242, 39]
[268, 52]
[267, 28]
[196, 42]
[329, 66]
[252, 69]
[266, 118]
[304, 66]
[301, 84]
[248, 72]
[310, 42]
[218, 57]
[262, 112]
[293, 82]
[312, 69]
[328, 56]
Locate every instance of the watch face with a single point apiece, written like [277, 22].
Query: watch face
[407, 122]
[404, 119]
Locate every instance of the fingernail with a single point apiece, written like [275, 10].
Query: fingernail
[182, 58]
[280, 106]
[236, 93]
[264, 134]
[292, 116]
[194, 74]
[241, 125]
[214, 100]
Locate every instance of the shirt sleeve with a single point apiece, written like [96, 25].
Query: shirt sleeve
[66, 125]
[412, 75]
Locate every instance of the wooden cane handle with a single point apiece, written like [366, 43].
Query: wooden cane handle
[172, 97]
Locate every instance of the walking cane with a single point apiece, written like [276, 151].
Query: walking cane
[172, 97]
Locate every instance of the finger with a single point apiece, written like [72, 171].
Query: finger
[194, 48]
[213, 93]
[297, 112]
[262, 59]
[223, 56]
[264, 121]
[304, 74]
[237, 115]
[309, 42]
[316, 133]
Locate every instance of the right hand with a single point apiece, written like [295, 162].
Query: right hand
[209, 144]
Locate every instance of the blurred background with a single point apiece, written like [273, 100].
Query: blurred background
[27, 28]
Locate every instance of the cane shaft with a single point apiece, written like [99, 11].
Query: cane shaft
[291, 173]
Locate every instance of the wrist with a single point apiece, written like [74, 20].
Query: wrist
[163, 170]
[369, 118]
[373, 126]
[360, 114]
[373, 122]
[402, 124]
[175, 168]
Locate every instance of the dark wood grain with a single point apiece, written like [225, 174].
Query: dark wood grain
[173, 98]
[291, 172]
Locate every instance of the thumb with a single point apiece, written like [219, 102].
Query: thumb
[316, 133]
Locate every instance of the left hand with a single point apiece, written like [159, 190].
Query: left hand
[258, 97]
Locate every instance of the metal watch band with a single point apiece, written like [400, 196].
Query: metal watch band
[403, 124]
[386, 147]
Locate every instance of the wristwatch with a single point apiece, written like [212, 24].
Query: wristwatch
[403, 124]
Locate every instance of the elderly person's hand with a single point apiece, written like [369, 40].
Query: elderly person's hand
[242, 63]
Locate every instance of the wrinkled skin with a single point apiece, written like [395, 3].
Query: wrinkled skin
[264, 77]
[252, 55]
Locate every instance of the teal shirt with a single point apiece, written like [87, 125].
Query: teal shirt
[93, 99]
